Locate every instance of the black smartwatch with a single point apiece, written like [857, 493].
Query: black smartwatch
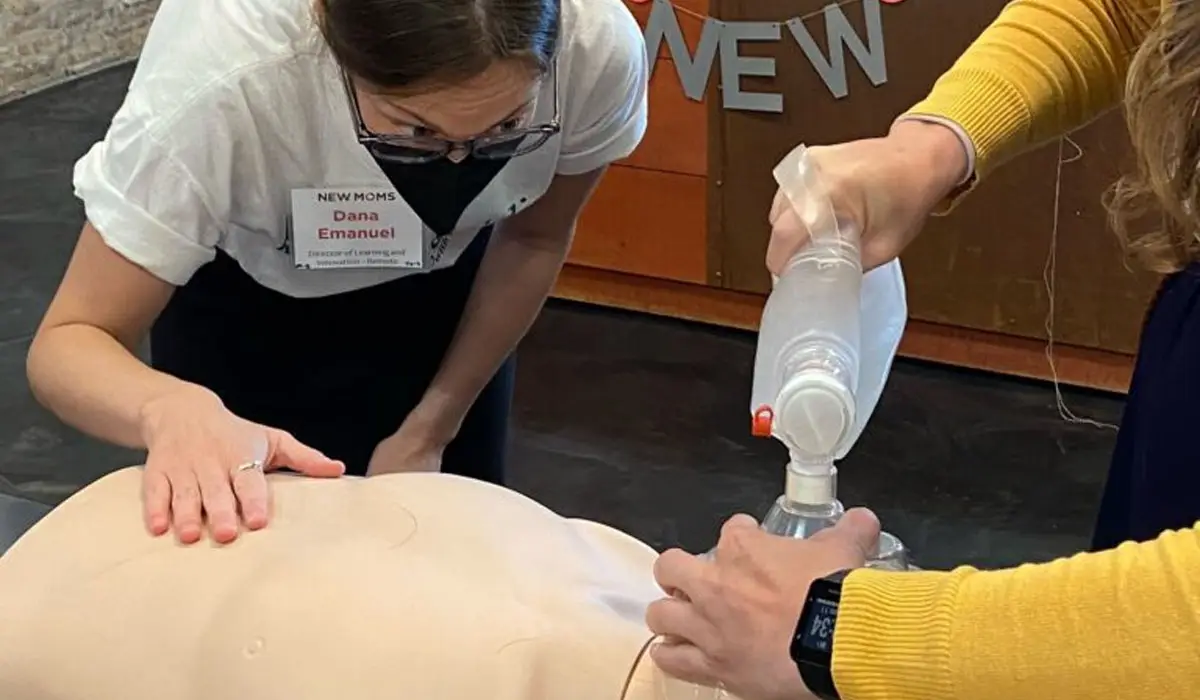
[812, 645]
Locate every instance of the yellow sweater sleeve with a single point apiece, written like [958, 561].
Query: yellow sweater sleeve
[1117, 625]
[1042, 69]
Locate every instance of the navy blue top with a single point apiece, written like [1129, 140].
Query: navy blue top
[1154, 480]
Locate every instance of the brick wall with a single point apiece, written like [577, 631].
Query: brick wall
[43, 42]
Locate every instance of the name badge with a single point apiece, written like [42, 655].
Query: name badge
[360, 227]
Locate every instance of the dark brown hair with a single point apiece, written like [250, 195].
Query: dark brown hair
[407, 46]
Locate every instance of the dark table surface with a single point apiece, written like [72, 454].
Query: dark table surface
[16, 516]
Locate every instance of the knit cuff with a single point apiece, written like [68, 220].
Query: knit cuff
[892, 640]
[989, 114]
[990, 110]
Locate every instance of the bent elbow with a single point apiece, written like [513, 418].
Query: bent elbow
[48, 356]
[35, 361]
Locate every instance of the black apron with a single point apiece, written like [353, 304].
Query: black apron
[342, 372]
[339, 372]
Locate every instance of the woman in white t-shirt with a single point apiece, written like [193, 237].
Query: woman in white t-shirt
[335, 219]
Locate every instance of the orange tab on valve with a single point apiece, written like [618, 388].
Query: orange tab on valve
[760, 425]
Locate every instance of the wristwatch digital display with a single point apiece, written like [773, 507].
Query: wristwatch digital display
[812, 644]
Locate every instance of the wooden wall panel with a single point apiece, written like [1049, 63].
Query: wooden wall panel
[645, 222]
[690, 14]
[1101, 297]
[981, 267]
[649, 215]
[754, 142]
[676, 138]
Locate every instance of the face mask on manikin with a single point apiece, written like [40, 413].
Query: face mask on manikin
[441, 190]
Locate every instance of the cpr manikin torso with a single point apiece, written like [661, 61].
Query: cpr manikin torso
[404, 586]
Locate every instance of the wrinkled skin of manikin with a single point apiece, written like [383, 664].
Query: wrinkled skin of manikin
[399, 586]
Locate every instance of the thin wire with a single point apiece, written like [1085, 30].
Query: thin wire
[664, 692]
[810, 15]
[1049, 277]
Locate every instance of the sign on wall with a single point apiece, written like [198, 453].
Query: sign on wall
[719, 43]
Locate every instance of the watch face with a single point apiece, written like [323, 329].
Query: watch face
[812, 645]
[817, 634]
[813, 642]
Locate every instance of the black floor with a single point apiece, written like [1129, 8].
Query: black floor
[635, 421]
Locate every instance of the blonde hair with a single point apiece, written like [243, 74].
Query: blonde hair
[1162, 104]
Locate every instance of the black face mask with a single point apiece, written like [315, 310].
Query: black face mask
[441, 190]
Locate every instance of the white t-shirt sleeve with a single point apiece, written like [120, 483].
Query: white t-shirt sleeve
[606, 118]
[146, 201]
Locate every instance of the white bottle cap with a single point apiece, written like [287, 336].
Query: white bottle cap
[818, 488]
[814, 412]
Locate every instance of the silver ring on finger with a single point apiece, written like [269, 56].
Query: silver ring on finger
[256, 465]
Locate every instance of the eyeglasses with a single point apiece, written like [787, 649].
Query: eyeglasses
[417, 149]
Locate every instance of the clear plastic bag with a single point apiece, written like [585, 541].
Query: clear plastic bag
[829, 333]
